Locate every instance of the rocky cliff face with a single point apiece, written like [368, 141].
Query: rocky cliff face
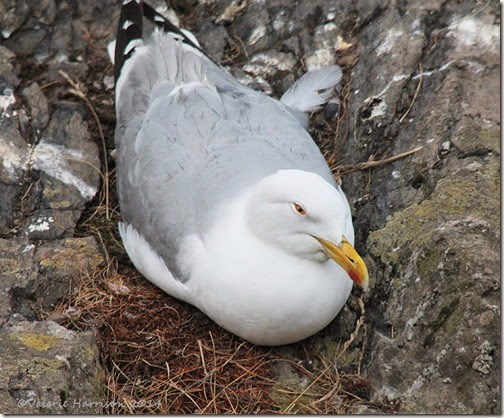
[416, 74]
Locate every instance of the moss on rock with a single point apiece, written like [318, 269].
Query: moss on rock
[455, 199]
[443, 256]
[49, 369]
[39, 342]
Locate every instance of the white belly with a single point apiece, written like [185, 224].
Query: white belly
[271, 302]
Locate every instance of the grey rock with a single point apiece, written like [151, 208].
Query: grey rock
[440, 298]
[25, 42]
[253, 28]
[75, 69]
[61, 264]
[44, 11]
[37, 103]
[14, 157]
[364, 410]
[281, 19]
[320, 49]
[257, 83]
[68, 162]
[292, 45]
[213, 40]
[12, 15]
[24, 123]
[8, 206]
[50, 224]
[34, 278]
[17, 270]
[47, 369]
[270, 63]
[8, 75]
[270, 68]
[14, 152]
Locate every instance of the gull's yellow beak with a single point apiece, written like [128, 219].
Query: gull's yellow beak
[346, 256]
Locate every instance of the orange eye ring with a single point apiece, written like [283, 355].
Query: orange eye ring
[299, 209]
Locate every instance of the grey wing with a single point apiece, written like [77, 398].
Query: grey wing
[193, 144]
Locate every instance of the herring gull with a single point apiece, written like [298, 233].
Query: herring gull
[227, 203]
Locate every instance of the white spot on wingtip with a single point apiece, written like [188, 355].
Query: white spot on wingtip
[158, 19]
[127, 24]
[132, 44]
[111, 51]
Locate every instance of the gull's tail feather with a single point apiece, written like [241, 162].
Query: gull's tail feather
[149, 65]
[130, 33]
[312, 90]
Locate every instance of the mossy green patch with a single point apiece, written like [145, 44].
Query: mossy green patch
[286, 393]
[90, 353]
[34, 368]
[453, 199]
[473, 139]
[39, 342]
[9, 265]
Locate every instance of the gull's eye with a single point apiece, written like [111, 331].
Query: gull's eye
[299, 209]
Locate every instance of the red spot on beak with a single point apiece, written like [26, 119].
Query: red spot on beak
[354, 276]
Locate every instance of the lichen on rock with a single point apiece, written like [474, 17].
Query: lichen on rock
[48, 369]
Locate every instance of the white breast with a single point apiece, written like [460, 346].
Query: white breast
[260, 292]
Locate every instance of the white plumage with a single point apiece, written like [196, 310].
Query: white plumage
[312, 90]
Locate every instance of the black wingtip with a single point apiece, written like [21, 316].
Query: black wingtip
[161, 22]
[130, 28]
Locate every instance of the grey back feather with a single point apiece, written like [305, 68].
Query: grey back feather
[183, 154]
[313, 89]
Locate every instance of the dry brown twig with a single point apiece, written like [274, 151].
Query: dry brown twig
[345, 169]
[355, 332]
[76, 90]
[419, 85]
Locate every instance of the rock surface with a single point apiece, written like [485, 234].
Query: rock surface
[46, 368]
[415, 74]
[49, 171]
[434, 223]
